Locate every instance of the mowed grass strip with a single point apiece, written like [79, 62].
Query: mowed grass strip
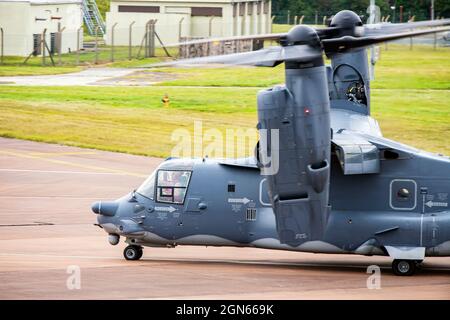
[398, 68]
[133, 120]
[14, 66]
[123, 127]
[217, 100]
[420, 118]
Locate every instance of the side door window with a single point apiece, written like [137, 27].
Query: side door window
[403, 194]
[172, 186]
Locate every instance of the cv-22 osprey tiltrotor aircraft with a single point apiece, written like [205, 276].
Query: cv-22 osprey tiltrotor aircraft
[339, 186]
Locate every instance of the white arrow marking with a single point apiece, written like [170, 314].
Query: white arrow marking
[238, 200]
[431, 204]
[168, 209]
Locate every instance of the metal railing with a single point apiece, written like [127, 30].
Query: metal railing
[92, 17]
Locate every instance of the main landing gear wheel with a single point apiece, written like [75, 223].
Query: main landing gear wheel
[404, 267]
[132, 253]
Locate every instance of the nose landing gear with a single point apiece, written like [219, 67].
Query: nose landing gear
[133, 252]
[404, 267]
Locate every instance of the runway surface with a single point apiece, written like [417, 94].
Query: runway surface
[46, 228]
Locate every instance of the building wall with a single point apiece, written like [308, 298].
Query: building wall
[20, 20]
[169, 15]
[15, 41]
[71, 20]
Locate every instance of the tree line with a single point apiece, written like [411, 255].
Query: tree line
[398, 10]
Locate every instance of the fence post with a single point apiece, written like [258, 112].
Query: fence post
[210, 26]
[43, 46]
[1, 45]
[180, 25]
[78, 44]
[96, 45]
[112, 41]
[60, 43]
[146, 38]
[130, 42]
[295, 20]
[152, 38]
[301, 19]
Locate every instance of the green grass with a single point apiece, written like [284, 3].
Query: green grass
[281, 28]
[410, 100]
[216, 100]
[420, 118]
[421, 68]
[399, 68]
[13, 66]
[224, 76]
[131, 120]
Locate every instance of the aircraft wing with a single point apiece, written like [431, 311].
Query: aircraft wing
[356, 154]
[249, 162]
[361, 153]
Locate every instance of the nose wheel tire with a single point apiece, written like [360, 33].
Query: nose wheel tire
[132, 253]
[404, 267]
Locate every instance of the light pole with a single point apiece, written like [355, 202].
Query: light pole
[393, 14]
[432, 10]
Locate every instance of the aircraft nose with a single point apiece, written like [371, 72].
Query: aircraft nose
[96, 207]
[105, 208]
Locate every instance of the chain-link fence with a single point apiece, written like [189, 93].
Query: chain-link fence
[73, 47]
[137, 40]
[122, 41]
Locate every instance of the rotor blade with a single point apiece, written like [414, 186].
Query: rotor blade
[269, 36]
[370, 30]
[269, 57]
[389, 28]
[347, 43]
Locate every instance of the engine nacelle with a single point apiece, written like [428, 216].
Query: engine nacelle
[299, 189]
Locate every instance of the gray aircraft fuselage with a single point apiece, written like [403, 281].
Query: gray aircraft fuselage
[323, 178]
[366, 213]
[400, 208]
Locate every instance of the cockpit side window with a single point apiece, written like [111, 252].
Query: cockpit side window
[147, 189]
[172, 186]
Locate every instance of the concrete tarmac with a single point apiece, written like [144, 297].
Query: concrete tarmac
[47, 234]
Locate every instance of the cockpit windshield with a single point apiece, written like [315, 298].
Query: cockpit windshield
[147, 189]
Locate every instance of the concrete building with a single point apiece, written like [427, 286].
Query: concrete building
[187, 18]
[23, 22]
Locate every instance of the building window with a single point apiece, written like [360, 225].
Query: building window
[206, 11]
[53, 48]
[235, 9]
[250, 8]
[258, 7]
[266, 7]
[241, 8]
[37, 46]
[147, 9]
